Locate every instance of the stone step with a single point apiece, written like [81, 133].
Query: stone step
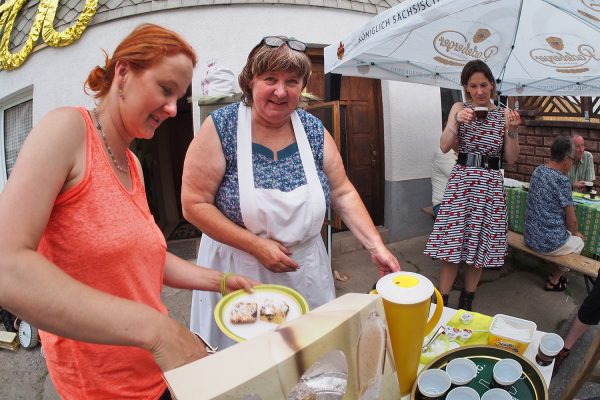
[345, 242]
[184, 248]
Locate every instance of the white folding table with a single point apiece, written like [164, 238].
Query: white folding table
[530, 352]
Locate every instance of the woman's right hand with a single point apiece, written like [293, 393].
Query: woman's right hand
[465, 116]
[274, 256]
[175, 345]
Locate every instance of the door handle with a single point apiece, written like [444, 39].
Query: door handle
[373, 156]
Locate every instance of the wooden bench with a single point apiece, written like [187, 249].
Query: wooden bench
[574, 262]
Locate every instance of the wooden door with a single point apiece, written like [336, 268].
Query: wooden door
[162, 164]
[316, 83]
[329, 114]
[362, 133]
[364, 140]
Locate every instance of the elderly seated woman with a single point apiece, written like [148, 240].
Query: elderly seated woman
[550, 222]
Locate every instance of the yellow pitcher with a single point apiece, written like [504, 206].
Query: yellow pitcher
[406, 301]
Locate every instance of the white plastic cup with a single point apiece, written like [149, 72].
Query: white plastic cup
[496, 394]
[506, 372]
[462, 393]
[550, 345]
[433, 383]
[461, 371]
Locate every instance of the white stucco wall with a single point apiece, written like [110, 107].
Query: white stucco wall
[224, 33]
[412, 120]
[227, 33]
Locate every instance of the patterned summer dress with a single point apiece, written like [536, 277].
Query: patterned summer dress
[471, 224]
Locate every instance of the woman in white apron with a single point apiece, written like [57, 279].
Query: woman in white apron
[257, 179]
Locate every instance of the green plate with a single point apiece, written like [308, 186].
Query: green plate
[531, 386]
[241, 332]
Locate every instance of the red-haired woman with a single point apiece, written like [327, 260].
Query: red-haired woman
[77, 233]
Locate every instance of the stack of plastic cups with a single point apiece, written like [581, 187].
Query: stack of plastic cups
[462, 371]
[462, 393]
[433, 384]
[506, 372]
[496, 394]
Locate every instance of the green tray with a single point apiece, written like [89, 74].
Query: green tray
[531, 386]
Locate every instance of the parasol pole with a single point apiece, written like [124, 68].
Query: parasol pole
[500, 78]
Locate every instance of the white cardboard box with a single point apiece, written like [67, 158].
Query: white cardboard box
[267, 367]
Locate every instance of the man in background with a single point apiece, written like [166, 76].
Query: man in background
[587, 315]
[583, 165]
[440, 172]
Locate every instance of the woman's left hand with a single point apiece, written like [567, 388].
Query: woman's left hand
[384, 260]
[513, 120]
[235, 282]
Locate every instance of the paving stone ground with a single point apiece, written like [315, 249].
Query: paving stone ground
[516, 290]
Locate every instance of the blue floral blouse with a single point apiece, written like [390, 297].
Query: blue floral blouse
[285, 173]
[545, 220]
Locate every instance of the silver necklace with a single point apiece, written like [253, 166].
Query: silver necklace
[118, 166]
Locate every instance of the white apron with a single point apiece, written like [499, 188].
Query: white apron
[291, 218]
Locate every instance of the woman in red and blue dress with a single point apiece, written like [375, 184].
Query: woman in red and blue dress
[471, 223]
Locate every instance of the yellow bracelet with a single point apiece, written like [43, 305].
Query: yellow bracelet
[223, 283]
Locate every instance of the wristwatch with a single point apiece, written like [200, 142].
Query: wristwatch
[456, 118]
[28, 335]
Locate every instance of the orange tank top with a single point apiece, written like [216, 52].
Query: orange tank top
[104, 235]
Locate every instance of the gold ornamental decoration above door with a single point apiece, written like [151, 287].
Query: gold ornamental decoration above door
[43, 23]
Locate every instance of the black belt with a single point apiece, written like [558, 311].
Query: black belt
[479, 160]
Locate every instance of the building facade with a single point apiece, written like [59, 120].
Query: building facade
[408, 116]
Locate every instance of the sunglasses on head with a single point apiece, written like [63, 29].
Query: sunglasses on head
[276, 41]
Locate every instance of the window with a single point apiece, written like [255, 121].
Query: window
[17, 124]
[448, 98]
[16, 120]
